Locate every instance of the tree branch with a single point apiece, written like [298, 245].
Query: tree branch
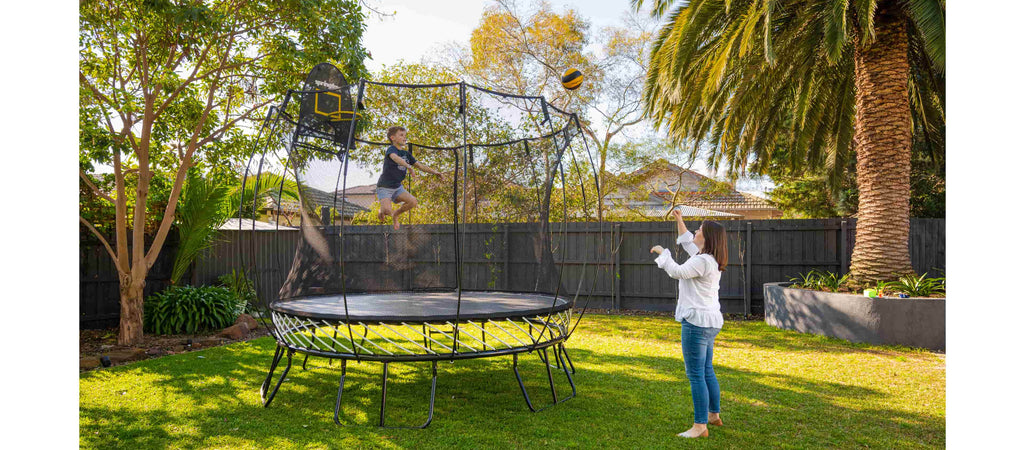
[81, 173]
[217, 133]
[106, 245]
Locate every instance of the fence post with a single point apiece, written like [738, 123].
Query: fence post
[409, 259]
[617, 283]
[843, 247]
[747, 271]
[505, 266]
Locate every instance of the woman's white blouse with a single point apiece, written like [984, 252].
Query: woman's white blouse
[699, 284]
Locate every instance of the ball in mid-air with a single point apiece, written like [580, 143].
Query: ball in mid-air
[572, 79]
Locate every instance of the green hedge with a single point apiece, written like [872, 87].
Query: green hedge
[190, 309]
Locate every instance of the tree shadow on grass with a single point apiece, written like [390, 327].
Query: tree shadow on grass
[623, 400]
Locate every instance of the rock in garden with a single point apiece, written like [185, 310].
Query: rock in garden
[237, 331]
[248, 320]
[122, 356]
[156, 352]
[207, 342]
[89, 362]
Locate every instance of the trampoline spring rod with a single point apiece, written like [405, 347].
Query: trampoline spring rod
[455, 337]
[333, 341]
[528, 333]
[485, 344]
[531, 332]
[426, 336]
[407, 339]
[483, 331]
[389, 340]
[506, 332]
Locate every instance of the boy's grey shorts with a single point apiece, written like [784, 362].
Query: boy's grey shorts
[392, 193]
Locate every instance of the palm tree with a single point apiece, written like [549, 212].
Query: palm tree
[200, 211]
[745, 79]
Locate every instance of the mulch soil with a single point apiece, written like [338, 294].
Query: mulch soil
[94, 344]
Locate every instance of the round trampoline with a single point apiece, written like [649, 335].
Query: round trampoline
[428, 307]
[486, 265]
[421, 326]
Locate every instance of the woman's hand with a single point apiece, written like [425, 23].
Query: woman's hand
[678, 214]
[657, 249]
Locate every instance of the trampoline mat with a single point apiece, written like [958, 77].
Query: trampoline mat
[420, 306]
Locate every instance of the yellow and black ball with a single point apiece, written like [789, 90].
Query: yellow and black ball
[572, 79]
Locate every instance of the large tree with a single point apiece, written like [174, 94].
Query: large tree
[537, 44]
[161, 80]
[821, 78]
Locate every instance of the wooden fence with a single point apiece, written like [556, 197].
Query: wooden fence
[99, 295]
[501, 257]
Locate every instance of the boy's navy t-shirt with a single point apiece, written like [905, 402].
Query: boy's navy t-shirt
[393, 173]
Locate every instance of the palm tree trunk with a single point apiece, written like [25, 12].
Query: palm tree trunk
[882, 128]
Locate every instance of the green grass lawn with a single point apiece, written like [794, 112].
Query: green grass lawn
[779, 389]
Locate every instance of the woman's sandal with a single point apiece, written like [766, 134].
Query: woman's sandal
[717, 423]
[684, 434]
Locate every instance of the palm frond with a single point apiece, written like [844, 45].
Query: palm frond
[929, 17]
[200, 210]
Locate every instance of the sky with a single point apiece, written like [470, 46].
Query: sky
[416, 30]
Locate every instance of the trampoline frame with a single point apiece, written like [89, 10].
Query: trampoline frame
[289, 328]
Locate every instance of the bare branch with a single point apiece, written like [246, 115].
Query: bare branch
[106, 245]
[96, 92]
[218, 132]
[81, 173]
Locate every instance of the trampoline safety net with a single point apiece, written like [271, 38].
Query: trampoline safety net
[468, 253]
[513, 171]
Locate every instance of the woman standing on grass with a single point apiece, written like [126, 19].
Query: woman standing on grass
[698, 311]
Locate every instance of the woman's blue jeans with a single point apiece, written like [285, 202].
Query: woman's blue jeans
[697, 345]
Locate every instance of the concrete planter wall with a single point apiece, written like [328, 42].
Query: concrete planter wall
[913, 322]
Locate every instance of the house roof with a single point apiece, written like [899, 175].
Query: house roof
[733, 201]
[359, 190]
[249, 224]
[319, 199]
[663, 179]
[688, 212]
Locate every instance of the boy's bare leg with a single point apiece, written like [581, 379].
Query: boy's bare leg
[408, 203]
[385, 211]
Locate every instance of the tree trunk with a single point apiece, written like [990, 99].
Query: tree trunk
[882, 128]
[130, 330]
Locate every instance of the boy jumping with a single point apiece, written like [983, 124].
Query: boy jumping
[397, 163]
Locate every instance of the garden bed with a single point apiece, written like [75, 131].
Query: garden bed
[912, 322]
[94, 344]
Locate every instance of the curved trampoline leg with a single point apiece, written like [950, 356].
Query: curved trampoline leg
[384, 396]
[278, 353]
[338, 399]
[565, 354]
[551, 381]
[270, 398]
[569, 377]
[516, 370]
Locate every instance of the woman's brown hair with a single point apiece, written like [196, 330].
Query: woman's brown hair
[715, 242]
[392, 131]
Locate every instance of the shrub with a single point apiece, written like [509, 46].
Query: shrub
[189, 309]
[919, 286]
[882, 288]
[241, 288]
[819, 280]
